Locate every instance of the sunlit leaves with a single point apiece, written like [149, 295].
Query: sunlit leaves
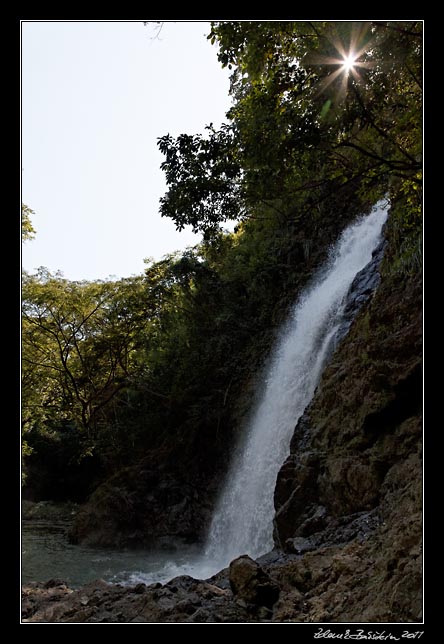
[203, 175]
[294, 112]
[28, 231]
[78, 345]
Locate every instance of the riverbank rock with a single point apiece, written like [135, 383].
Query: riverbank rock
[48, 511]
[146, 505]
[251, 584]
[183, 599]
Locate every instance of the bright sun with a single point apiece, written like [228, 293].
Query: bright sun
[349, 58]
[349, 62]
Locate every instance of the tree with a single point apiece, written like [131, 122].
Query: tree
[203, 175]
[359, 122]
[28, 231]
[79, 340]
[319, 108]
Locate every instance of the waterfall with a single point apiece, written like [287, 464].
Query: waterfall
[243, 519]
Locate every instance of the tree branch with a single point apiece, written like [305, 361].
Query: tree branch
[384, 25]
[380, 131]
[390, 163]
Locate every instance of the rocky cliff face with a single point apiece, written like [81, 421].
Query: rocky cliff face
[348, 497]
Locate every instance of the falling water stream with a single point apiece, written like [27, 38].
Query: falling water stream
[243, 518]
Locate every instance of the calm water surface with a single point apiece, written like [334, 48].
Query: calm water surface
[47, 554]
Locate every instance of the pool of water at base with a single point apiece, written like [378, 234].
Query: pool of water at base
[47, 554]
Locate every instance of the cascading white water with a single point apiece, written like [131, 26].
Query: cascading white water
[243, 520]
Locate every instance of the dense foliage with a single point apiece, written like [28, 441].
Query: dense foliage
[113, 369]
[302, 125]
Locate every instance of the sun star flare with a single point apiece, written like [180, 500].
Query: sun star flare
[349, 62]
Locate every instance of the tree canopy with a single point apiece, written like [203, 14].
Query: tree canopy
[303, 124]
[326, 119]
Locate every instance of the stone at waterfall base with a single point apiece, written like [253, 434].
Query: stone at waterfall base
[251, 584]
[330, 584]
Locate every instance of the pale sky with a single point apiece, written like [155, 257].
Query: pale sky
[95, 98]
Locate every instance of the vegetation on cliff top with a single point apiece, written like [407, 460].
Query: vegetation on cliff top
[326, 120]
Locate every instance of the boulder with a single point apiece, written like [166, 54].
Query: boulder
[251, 584]
[145, 505]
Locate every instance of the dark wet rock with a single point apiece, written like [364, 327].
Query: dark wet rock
[360, 291]
[299, 545]
[48, 511]
[184, 600]
[251, 584]
[53, 583]
[337, 530]
[130, 510]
